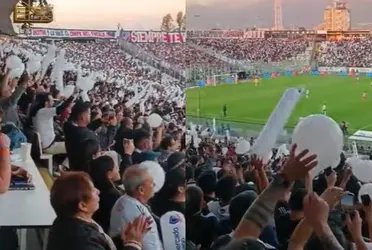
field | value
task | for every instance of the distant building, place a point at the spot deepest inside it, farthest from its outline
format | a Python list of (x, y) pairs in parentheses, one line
[(336, 17)]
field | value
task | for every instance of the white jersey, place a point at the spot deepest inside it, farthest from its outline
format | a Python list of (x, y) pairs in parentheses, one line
[(307, 92), (125, 210), (324, 108)]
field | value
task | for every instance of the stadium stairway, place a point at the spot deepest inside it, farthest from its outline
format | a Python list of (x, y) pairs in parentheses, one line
[(314, 53)]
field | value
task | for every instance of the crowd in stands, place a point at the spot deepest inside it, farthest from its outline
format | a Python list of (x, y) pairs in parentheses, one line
[(267, 50), (227, 189), (98, 139), (182, 56), (106, 193), (346, 53)]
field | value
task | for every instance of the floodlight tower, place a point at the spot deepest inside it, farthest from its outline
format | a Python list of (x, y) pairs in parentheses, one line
[(278, 21)]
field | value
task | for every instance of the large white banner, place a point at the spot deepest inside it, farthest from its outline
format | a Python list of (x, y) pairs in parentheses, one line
[(361, 70), (345, 69), (332, 69), (6, 9)]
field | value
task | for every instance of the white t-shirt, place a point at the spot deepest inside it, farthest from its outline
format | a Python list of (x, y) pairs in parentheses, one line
[(324, 108), (43, 124), (125, 210)]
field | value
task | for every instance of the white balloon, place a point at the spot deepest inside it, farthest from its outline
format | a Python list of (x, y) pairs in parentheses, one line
[(365, 189), (68, 90), (156, 172), (33, 66), (362, 169), (224, 150), (121, 94), (197, 141), (16, 73), (188, 139), (13, 62), (154, 120), (322, 136), (16, 66), (242, 147)]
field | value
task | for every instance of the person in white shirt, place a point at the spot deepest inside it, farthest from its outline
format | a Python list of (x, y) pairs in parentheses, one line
[(139, 188), (307, 94), (42, 115)]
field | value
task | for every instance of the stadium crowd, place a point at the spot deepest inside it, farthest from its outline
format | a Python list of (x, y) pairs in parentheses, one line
[(104, 136), (267, 50), (346, 53), (107, 194), (182, 55)]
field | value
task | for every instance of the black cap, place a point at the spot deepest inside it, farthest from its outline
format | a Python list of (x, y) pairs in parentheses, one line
[(176, 160)]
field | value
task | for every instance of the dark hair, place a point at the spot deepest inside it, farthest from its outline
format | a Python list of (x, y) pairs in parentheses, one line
[(296, 200), (225, 188), (239, 205), (89, 148), (166, 142), (79, 108), (68, 191), (139, 135), (174, 179), (207, 181), (40, 101), (194, 198), (98, 170)]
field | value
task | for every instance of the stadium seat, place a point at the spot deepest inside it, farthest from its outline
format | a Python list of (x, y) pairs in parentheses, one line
[(37, 152)]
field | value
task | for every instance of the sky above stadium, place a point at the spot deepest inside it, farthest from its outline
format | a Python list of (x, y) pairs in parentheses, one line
[(206, 14), (106, 14)]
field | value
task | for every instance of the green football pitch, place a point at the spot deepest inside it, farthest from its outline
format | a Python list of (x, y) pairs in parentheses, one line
[(249, 105)]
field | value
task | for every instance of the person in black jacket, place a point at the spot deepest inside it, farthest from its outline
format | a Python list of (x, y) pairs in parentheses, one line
[(172, 196), (74, 200), (104, 174), (76, 131)]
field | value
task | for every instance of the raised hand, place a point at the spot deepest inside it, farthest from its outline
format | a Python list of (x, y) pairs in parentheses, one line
[(331, 179), (332, 196), (297, 166), (316, 210), (128, 146), (136, 230), (346, 177), (256, 162), (354, 225)]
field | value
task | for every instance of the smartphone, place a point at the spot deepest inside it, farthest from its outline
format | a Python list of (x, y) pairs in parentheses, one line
[(328, 171), (347, 201), (366, 199)]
